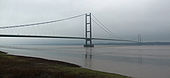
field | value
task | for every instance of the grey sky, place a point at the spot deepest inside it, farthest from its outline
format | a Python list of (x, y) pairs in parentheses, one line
[(125, 18)]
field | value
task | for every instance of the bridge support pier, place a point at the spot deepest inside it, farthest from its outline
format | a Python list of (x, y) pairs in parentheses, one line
[(88, 31)]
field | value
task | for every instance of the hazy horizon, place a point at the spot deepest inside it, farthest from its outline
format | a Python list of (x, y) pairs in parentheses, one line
[(126, 19)]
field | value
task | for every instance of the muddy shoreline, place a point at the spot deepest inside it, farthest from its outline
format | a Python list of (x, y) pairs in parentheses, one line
[(15, 66)]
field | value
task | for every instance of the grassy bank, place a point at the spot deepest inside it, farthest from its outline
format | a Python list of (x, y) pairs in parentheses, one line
[(27, 67)]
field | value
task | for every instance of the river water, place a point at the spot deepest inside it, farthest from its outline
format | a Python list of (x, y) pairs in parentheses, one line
[(134, 61)]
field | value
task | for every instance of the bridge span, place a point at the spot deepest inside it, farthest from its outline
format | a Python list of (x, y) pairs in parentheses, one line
[(63, 37), (88, 30)]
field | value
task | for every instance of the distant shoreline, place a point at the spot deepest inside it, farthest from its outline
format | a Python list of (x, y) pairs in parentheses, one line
[(116, 43)]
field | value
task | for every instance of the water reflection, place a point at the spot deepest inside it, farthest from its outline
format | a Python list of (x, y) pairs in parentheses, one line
[(88, 57), (140, 60)]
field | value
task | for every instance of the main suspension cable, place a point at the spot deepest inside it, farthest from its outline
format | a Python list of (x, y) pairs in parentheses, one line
[(40, 23)]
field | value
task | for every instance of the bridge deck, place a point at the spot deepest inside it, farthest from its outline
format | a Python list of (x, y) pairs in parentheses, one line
[(64, 37)]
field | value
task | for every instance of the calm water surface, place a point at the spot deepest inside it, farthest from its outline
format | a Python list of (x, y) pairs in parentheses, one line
[(135, 61)]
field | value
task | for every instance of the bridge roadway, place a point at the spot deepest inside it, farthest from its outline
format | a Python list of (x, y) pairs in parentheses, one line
[(63, 37)]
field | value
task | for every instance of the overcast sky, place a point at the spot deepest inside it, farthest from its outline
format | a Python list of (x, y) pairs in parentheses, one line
[(125, 18)]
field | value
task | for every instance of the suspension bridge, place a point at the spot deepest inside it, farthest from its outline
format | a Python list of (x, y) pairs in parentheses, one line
[(88, 30)]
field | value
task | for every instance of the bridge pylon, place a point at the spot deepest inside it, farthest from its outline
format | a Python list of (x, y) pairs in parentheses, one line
[(88, 31)]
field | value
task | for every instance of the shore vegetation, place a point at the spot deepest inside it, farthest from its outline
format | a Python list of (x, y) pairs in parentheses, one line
[(12, 66)]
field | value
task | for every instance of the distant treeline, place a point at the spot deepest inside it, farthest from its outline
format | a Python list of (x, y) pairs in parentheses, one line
[(142, 43), (115, 43)]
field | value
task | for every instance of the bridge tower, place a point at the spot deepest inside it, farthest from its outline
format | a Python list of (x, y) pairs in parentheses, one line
[(139, 39), (88, 31)]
